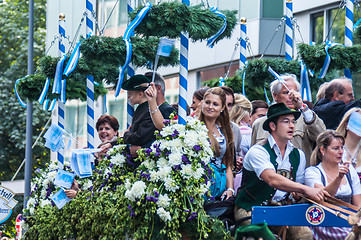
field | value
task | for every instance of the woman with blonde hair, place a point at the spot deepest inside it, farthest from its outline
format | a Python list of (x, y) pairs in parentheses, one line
[(350, 129), (240, 114), (214, 114), (332, 174)]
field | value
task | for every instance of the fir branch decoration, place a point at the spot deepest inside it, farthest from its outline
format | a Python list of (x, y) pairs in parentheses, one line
[(341, 57), (169, 19)]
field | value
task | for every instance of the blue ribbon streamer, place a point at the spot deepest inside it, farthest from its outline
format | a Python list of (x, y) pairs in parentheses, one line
[(45, 104), (52, 105), (244, 79), (128, 33), (22, 103), (305, 83), (211, 40), (327, 62), (73, 61), (44, 92), (58, 75), (276, 75), (221, 81), (62, 94), (265, 94)]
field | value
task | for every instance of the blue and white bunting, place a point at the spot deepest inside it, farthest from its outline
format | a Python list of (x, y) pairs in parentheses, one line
[(22, 103), (128, 33), (44, 92), (58, 75), (305, 83), (211, 40), (73, 60)]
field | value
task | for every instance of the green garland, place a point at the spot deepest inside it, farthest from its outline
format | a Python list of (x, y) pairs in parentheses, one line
[(169, 19), (341, 57)]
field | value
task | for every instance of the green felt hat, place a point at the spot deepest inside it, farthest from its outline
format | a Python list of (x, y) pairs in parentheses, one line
[(137, 82), (255, 231), (276, 110)]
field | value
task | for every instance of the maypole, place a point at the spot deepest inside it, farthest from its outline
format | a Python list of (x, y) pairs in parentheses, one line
[(183, 75), (61, 101), (349, 30), (90, 80), (242, 58), (289, 31), (130, 73)]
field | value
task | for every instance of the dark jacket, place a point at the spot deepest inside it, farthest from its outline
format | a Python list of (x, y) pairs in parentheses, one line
[(142, 130), (166, 110), (332, 112)]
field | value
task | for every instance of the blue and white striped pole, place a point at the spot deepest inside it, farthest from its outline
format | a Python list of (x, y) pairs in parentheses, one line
[(289, 31), (242, 58), (90, 7), (183, 75), (130, 73), (349, 23), (61, 102)]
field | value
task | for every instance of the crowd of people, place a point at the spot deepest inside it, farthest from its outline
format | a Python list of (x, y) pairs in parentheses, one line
[(263, 155)]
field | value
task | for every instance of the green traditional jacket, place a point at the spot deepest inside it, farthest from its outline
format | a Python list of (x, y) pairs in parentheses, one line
[(255, 192)]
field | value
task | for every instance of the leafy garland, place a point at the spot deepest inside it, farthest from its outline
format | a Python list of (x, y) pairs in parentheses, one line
[(169, 19)]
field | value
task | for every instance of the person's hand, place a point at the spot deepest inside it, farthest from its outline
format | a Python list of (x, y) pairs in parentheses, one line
[(151, 92), (71, 193), (239, 164), (133, 150), (316, 193), (343, 169), (296, 196), (226, 194), (296, 98)]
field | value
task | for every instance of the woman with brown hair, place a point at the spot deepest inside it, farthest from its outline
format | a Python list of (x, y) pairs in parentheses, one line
[(214, 114), (338, 178)]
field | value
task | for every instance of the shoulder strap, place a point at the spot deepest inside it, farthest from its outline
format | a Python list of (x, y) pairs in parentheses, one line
[(322, 177), (348, 176), (295, 162)]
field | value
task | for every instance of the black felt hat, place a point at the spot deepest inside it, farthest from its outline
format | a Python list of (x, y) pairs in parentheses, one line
[(276, 110), (137, 82)]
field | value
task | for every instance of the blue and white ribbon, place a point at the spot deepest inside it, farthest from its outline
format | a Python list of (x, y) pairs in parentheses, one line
[(265, 94), (305, 83), (327, 62), (52, 105), (22, 103), (58, 75), (244, 79), (211, 40), (128, 33), (221, 81), (44, 91), (130, 107), (242, 58), (289, 31), (73, 60), (62, 94), (45, 104)]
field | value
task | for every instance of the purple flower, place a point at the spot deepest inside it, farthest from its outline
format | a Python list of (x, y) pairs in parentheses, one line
[(132, 213), (156, 194), (130, 207), (185, 159), (197, 147), (191, 199), (193, 215), (111, 165), (186, 210), (148, 151), (157, 154)]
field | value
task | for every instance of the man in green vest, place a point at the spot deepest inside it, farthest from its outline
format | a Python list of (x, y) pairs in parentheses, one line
[(273, 170)]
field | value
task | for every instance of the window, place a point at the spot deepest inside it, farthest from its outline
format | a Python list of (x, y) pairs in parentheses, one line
[(116, 109), (317, 21), (75, 119)]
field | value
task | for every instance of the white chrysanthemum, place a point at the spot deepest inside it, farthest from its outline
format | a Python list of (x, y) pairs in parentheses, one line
[(164, 172), (32, 211), (118, 159), (53, 166), (127, 184), (87, 184), (120, 147), (31, 202), (46, 182), (164, 215), (162, 162), (170, 184), (187, 171), (198, 173), (45, 203), (163, 201), (43, 193), (166, 131), (136, 192), (175, 158), (52, 175), (149, 164), (107, 171), (176, 143)]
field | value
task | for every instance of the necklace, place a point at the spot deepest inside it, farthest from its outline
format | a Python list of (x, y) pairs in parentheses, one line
[(330, 177), (353, 158)]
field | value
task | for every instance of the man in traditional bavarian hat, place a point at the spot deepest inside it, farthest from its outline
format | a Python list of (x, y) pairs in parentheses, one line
[(273, 169), (141, 132)]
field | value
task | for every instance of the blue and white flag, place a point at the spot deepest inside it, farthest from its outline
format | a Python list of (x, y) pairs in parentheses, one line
[(276, 75), (54, 138), (211, 40), (73, 60), (305, 83), (128, 33), (221, 81), (327, 62), (165, 47)]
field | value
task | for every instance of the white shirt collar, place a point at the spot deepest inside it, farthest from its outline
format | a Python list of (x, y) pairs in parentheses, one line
[(272, 143)]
